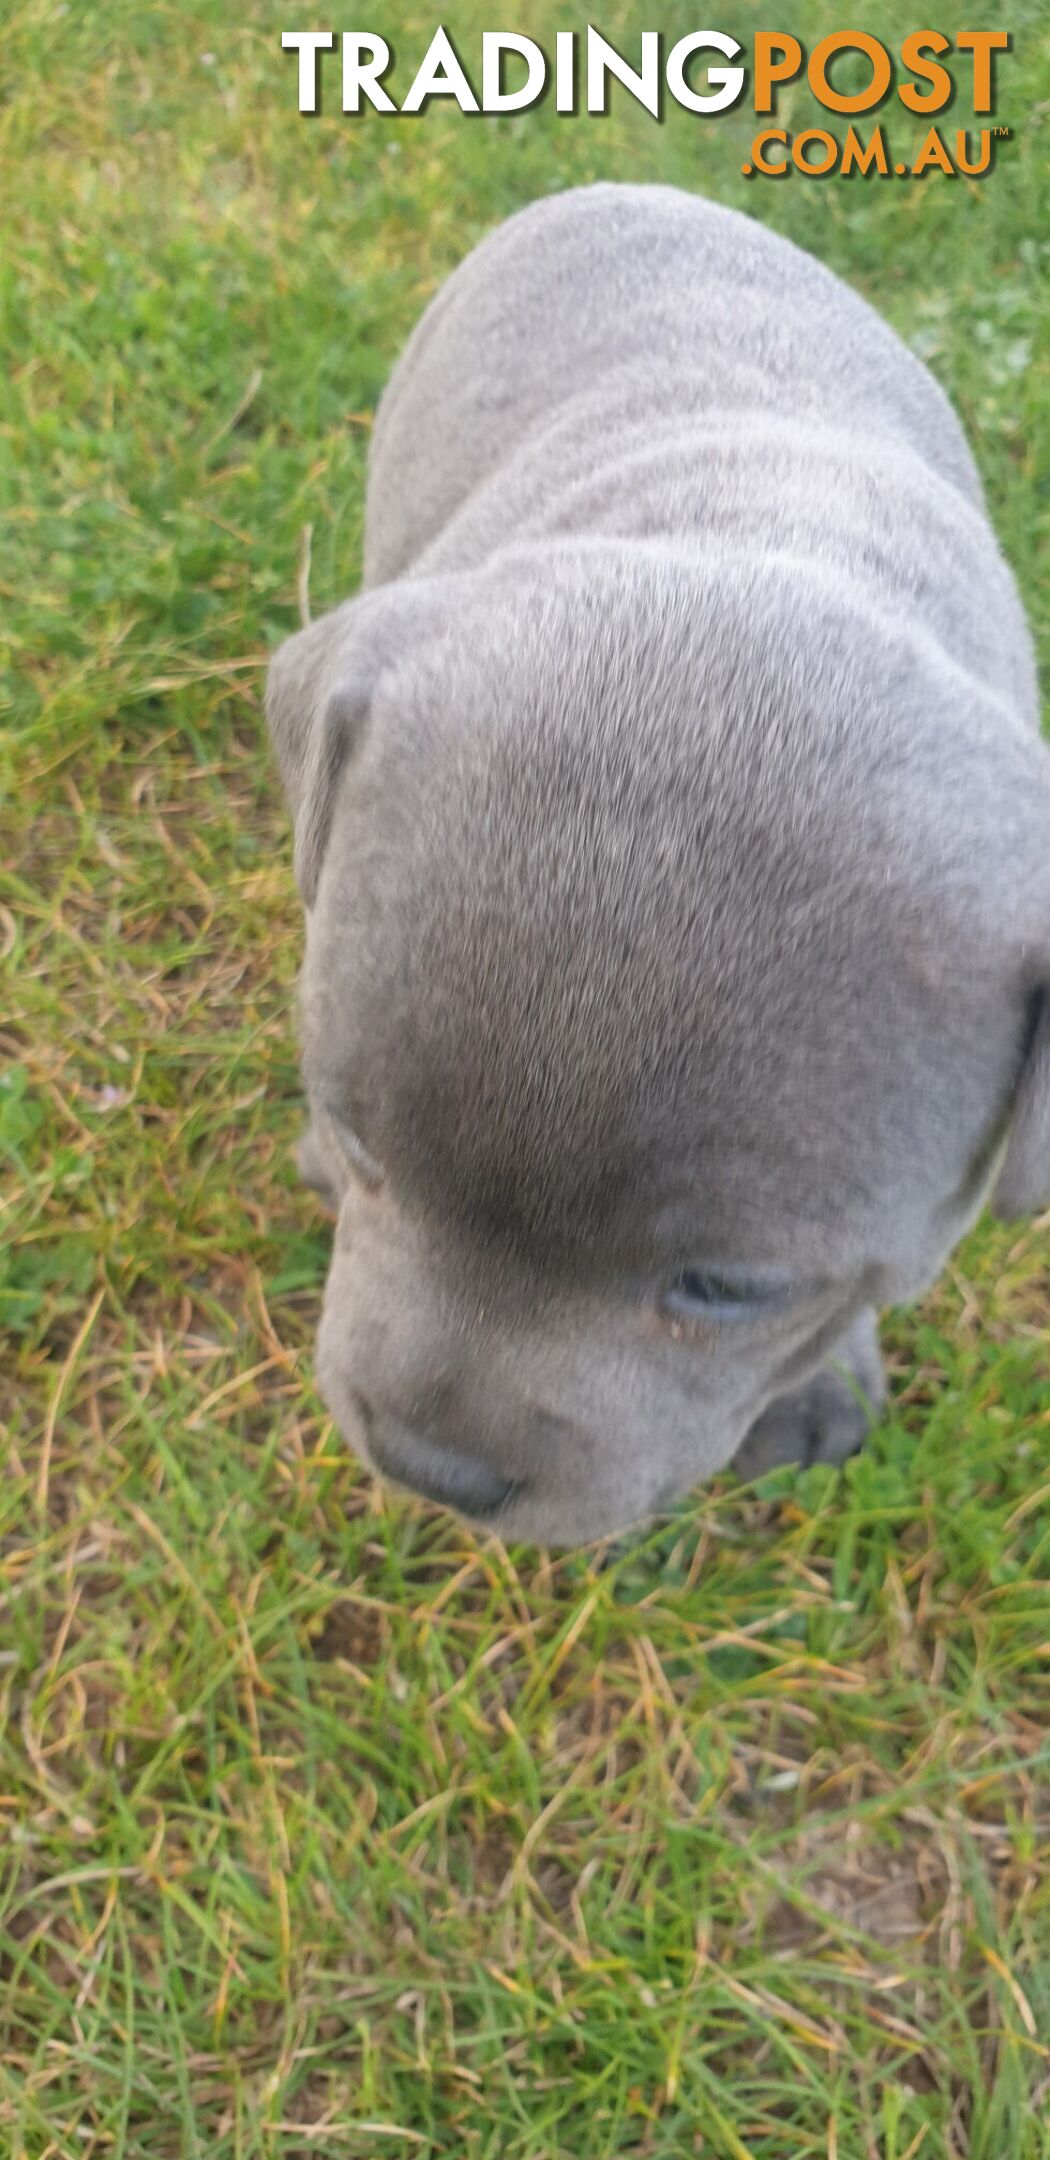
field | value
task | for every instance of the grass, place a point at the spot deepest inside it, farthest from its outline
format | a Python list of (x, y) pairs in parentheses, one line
[(329, 1829)]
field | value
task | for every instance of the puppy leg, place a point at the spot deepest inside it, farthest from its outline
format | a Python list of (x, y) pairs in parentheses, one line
[(827, 1418)]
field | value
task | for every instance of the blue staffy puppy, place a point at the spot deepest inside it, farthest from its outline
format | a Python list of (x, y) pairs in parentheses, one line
[(674, 835)]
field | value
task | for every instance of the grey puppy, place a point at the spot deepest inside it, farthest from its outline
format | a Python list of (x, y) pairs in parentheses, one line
[(672, 824)]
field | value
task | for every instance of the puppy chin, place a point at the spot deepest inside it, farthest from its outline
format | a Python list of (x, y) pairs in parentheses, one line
[(566, 1525), (339, 1400)]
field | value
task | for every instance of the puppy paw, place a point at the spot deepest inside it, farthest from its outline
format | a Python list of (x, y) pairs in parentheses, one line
[(829, 1417)]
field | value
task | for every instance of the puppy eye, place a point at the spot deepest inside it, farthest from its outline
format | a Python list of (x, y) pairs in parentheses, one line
[(721, 1295)]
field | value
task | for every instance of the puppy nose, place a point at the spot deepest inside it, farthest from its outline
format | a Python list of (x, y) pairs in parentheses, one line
[(432, 1467)]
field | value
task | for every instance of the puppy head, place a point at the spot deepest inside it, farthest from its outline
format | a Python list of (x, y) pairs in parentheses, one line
[(673, 990)]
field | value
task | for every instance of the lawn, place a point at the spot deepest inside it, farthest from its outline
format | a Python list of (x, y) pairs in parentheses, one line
[(330, 1829)]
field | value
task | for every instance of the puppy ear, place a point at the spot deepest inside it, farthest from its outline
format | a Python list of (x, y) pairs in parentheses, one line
[(319, 693), (1023, 1184), (337, 732)]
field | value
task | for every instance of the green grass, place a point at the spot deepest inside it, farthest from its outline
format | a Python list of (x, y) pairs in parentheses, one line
[(327, 1828)]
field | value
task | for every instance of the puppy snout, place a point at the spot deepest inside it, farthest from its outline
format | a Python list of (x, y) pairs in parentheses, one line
[(432, 1465)]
